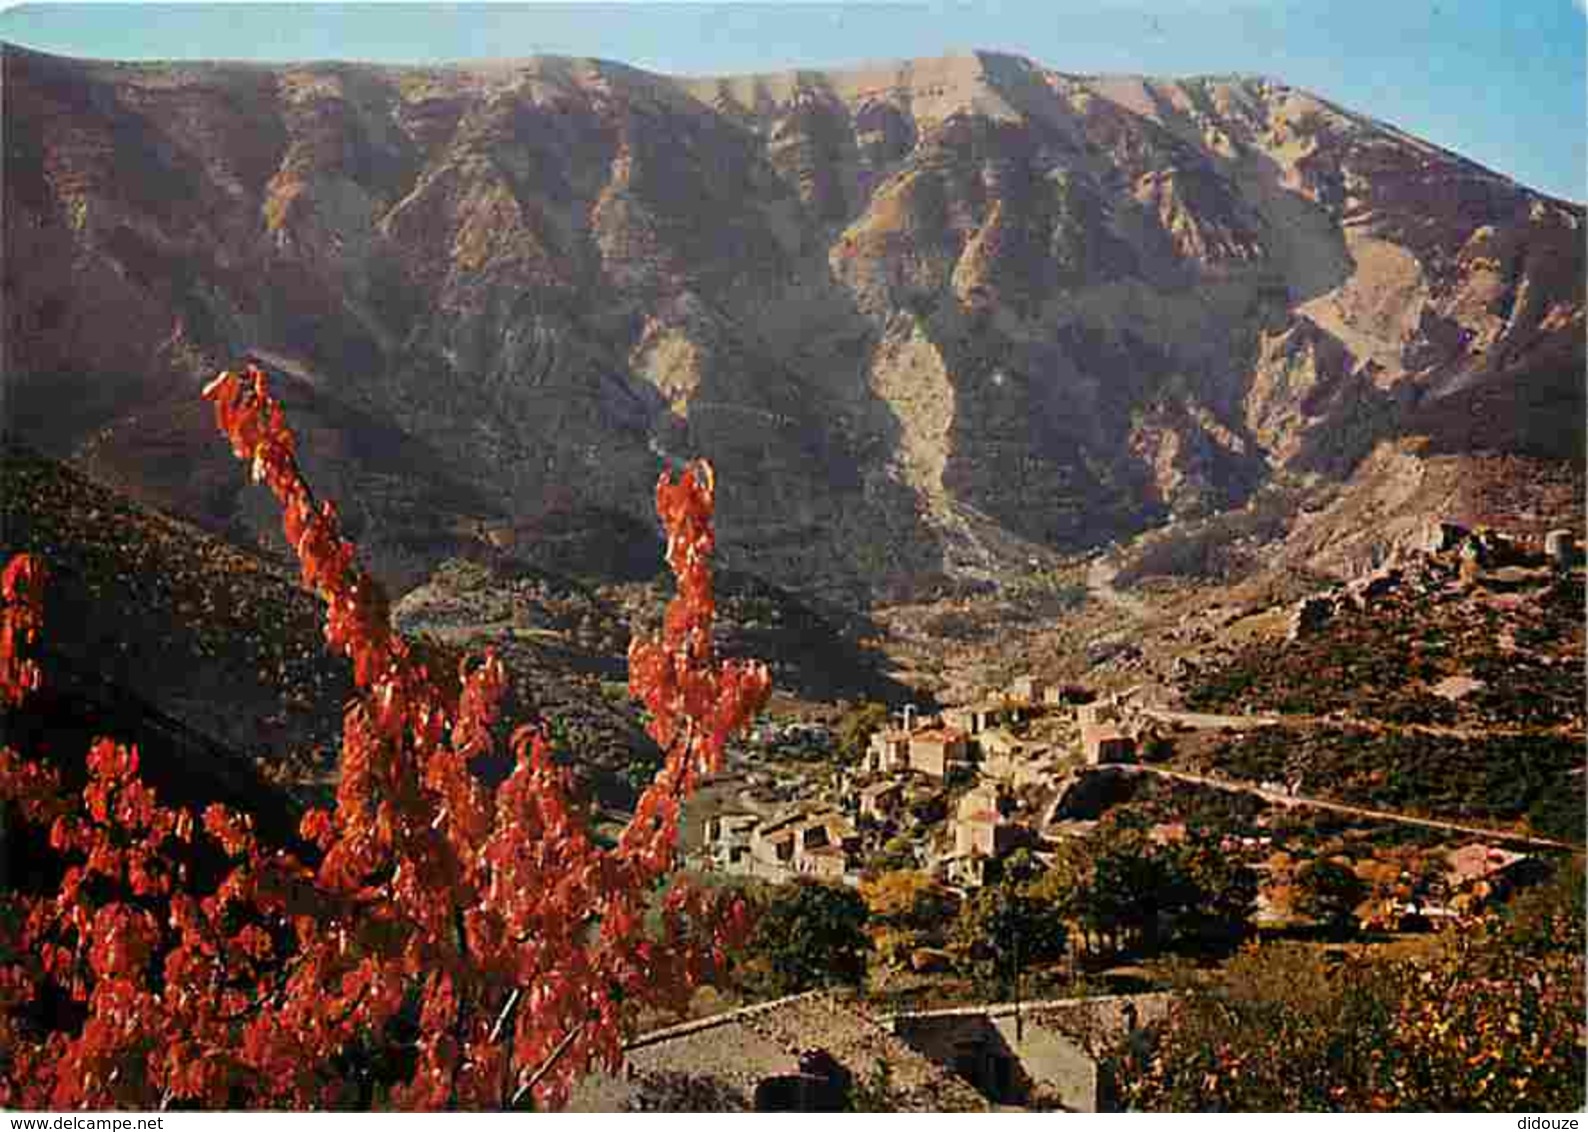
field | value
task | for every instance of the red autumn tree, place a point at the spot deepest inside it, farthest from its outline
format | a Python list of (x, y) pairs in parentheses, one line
[(435, 943)]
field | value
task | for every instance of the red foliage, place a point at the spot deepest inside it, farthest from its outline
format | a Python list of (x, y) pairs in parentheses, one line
[(22, 587), (443, 945)]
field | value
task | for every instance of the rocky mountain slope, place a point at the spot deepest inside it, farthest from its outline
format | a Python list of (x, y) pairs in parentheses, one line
[(933, 320)]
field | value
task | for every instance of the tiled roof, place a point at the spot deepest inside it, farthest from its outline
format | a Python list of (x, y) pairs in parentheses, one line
[(940, 735), (788, 820), (1473, 862)]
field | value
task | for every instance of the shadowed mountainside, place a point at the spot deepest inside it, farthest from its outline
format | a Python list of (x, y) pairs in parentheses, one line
[(212, 658)]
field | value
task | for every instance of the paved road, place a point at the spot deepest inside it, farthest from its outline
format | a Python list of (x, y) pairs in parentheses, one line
[(1280, 798)]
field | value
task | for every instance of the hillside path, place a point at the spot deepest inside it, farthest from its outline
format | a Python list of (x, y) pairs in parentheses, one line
[(1100, 585), (1213, 721), (1280, 798)]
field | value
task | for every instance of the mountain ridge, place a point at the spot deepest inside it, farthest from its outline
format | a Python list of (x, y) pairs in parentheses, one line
[(935, 320)]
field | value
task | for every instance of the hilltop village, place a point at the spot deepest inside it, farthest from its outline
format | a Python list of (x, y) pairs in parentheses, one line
[(957, 792), (1307, 793), (981, 779)]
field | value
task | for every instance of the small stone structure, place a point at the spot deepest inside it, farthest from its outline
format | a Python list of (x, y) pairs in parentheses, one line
[(1371, 587), (998, 741), (1045, 1051), (741, 1051), (1060, 695)]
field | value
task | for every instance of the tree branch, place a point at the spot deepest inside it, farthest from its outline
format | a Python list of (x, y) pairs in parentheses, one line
[(546, 1066)]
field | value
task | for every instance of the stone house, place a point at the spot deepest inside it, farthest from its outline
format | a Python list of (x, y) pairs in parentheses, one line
[(1105, 743), (826, 846), (1560, 547), (965, 870), (765, 1058), (773, 845), (1028, 689), (821, 844), (889, 751), (1444, 536), (825, 862), (937, 752), (961, 718), (1098, 712), (983, 833), (1059, 695), (1014, 761), (881, 799), (980, 825), (974, 719), (728, 838)]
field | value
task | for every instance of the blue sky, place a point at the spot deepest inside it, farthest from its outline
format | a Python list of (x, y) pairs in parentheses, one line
[(1501, 81)]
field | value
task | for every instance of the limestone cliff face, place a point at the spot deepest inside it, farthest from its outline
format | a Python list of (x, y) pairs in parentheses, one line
[(930, 319)]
